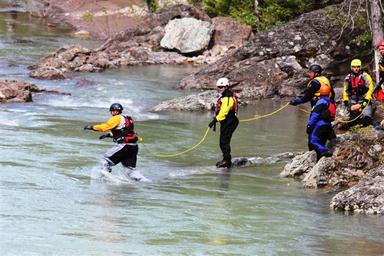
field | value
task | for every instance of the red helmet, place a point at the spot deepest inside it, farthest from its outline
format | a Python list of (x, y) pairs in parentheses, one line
[(380, 43)]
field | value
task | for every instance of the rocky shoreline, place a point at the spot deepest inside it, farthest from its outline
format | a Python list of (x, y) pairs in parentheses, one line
[(265, 65)]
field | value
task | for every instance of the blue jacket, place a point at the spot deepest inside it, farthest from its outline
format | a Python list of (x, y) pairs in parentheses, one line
[(318, 109)]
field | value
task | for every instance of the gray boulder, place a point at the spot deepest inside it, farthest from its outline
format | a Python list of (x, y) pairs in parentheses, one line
[(365, 197), (187, 35)]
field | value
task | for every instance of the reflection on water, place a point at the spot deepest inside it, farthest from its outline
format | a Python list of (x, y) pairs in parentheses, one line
[(51, 203)]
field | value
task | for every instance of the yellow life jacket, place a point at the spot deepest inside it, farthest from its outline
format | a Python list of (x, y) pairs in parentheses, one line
[(323, 82)]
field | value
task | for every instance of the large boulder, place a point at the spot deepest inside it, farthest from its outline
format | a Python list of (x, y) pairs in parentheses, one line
[(187, 35)]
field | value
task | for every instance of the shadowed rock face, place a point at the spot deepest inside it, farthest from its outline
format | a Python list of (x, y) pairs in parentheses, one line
[(279, 58)]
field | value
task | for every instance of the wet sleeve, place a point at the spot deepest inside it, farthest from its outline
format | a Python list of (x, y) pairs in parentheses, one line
[(371, 88), (226, 106), (310, 91), (109, 125)]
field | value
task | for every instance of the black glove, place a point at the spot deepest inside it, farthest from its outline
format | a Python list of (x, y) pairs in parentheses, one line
[(212, 123), (294, 101), (309, 129), (88, 127), (105, 136)]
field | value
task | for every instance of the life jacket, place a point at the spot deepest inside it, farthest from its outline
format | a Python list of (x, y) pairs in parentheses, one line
[(356, 84), (323, 82), (329, 114), (379, 93), (124, 133), (234, 110)]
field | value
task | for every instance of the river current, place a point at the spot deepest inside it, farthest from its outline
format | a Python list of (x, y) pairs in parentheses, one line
[(53, 200)]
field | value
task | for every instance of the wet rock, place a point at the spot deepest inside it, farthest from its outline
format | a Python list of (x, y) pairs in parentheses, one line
[(201, 101), (17, 91), (82, 34), (365, 197), (48, 73), (187, 35), (301, 164), (207, 100), (252, 161)]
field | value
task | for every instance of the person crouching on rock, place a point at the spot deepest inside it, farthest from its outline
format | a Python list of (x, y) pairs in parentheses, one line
[(357, 95), (121, 128), (319, 127), (226, 111)]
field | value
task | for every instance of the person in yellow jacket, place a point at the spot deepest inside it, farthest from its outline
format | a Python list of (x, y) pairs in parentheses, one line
[(121, 128), (357, 95), (226, 111)]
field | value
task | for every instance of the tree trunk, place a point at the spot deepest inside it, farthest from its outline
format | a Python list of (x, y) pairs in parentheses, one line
[(376, 20)]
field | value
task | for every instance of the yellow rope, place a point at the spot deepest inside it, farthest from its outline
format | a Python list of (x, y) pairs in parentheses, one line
[(349, 121), (185, 151), (206, 133), (262, 116), (305, 111)]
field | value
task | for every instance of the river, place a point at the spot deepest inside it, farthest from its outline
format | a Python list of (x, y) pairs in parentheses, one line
[(53, 200)]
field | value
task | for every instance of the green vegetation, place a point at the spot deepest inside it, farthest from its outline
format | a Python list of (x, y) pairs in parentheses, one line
[(152, 5), (87, 16), (268, 14)]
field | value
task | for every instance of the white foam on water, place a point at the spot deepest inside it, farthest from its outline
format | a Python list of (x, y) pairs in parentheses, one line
[(194, 171), (9, 123)]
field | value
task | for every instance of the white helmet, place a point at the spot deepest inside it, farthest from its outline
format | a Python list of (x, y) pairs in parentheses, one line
[(222, 82)]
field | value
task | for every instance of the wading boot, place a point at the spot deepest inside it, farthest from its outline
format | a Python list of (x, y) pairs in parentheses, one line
[(224, 164)]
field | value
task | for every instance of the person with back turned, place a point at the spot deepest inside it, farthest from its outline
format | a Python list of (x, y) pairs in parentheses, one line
[(312, 93), (226, 111), (121, 128), (319, 127)]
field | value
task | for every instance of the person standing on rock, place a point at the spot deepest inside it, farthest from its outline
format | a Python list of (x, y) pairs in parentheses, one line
[(311, 93), (226, 115), (357, 95), (121, 128), (319, 126)]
